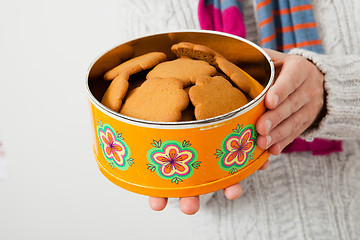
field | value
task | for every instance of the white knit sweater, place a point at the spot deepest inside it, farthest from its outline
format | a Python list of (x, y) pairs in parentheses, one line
[(300, 196)]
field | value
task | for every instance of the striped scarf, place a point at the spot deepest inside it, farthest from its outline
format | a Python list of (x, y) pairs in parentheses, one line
[(283, 25)]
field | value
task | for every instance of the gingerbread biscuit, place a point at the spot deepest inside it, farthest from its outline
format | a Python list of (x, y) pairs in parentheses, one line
[(120, 75), (115, 93), (157, 99), (195, 51), (243, 80), (214, 96), (184, 69), (136, 64)]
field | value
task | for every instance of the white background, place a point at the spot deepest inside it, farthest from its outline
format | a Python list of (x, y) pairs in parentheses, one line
[(54, 189)]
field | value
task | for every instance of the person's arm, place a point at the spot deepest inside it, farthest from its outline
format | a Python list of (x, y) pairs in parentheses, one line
[(314, 96), (342, 96)]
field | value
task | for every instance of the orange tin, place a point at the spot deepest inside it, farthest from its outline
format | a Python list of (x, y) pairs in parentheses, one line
[(179, 159)]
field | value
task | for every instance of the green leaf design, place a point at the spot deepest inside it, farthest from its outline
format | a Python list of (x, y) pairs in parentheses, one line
[(100, 123), (238, 129), (232, 171), (151, 167), (218, 153), (130, 161), (112, 165), (157, 144), (186, 143), (196, 164), (118, 135), (176, 180)]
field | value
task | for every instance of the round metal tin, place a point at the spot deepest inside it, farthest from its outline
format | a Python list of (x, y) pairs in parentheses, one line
[(179, 159)]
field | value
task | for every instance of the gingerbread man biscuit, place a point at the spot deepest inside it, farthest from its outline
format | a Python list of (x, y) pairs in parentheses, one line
[(243, 80), (120, 75), (214, 96), (157, 99), (184, 69)]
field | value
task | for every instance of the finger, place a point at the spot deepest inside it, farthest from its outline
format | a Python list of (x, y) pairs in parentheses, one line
[(265, 165), (275, 149), (288, 130), (292, 104), (263, 141), (233, 192), (157, 204), (289, 79), (190, 205)]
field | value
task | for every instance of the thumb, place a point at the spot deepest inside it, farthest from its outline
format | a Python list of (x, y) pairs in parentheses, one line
[(277, 57)]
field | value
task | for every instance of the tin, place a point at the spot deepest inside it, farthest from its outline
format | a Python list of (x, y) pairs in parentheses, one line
[(179, 159)]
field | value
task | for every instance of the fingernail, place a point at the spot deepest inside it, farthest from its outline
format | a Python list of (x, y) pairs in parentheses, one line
[(267, 125), (268, 140), (276, 100)]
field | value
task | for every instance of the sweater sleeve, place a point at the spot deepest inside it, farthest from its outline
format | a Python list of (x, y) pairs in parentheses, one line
[(342, 103)]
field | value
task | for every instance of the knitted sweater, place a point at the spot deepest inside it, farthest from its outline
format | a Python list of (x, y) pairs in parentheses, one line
[(299, 196)]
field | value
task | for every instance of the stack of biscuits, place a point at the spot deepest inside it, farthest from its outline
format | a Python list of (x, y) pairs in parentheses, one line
[(199, 84)]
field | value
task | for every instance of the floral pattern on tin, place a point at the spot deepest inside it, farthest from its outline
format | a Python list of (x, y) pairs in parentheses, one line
[(115, 150), (237, 149), (172, 160)]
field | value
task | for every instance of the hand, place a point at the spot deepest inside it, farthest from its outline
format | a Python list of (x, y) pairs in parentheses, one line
[(294, 101), (190, 205)]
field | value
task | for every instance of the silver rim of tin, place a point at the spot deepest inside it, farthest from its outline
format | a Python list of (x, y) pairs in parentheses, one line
[(185, 124)]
